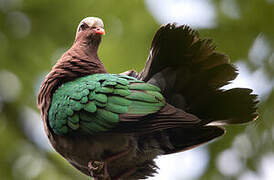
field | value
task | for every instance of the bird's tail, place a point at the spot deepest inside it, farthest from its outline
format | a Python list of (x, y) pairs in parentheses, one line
[(190, 74)]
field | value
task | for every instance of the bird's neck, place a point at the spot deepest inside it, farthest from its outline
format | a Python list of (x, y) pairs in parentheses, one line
[(80, 60), (86, 48), (87, 44)]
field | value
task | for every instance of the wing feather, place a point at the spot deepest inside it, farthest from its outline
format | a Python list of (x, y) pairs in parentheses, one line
[(102, 102)]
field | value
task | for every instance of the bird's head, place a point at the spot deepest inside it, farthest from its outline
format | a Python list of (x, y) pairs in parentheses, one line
[(90, 30)]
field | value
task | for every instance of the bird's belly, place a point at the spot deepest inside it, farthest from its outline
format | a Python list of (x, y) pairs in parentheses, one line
[(79, 150)]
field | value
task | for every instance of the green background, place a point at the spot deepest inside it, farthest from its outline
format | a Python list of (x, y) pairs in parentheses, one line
[(34, 33)]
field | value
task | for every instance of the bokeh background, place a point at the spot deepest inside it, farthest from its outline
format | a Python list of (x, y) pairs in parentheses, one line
[(34, 33)]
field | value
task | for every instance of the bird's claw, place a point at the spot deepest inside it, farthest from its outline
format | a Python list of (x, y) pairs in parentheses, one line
[(98, 170)]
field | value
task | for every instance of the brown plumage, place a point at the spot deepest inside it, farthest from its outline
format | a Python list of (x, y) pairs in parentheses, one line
[(189, 73)]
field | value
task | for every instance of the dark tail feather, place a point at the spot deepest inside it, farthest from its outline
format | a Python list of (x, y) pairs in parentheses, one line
[(232, 106), (190, 74), (183, 139)]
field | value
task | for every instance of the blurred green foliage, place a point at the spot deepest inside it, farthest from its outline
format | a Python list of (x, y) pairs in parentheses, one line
[(34, 33)]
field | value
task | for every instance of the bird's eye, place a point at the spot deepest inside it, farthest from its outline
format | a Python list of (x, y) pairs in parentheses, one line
[(83, 26)]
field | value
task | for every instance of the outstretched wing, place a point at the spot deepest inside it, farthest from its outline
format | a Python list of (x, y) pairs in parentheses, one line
[(104, 102)]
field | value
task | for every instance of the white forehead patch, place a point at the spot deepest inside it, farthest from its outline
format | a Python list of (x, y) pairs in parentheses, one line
[(91, 22)]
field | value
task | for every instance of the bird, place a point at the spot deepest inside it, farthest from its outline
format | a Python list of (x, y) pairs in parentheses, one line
[(113, 126)]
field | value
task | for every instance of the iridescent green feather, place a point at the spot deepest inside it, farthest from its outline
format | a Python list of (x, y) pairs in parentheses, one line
[(93, 103)]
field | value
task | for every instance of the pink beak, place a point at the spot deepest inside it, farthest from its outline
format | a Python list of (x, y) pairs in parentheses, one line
[(100, 31)]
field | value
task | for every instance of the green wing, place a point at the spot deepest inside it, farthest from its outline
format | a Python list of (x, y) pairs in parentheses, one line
[(94, 103)]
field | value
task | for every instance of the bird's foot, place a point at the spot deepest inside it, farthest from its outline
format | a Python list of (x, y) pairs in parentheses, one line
[(98, 170)]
